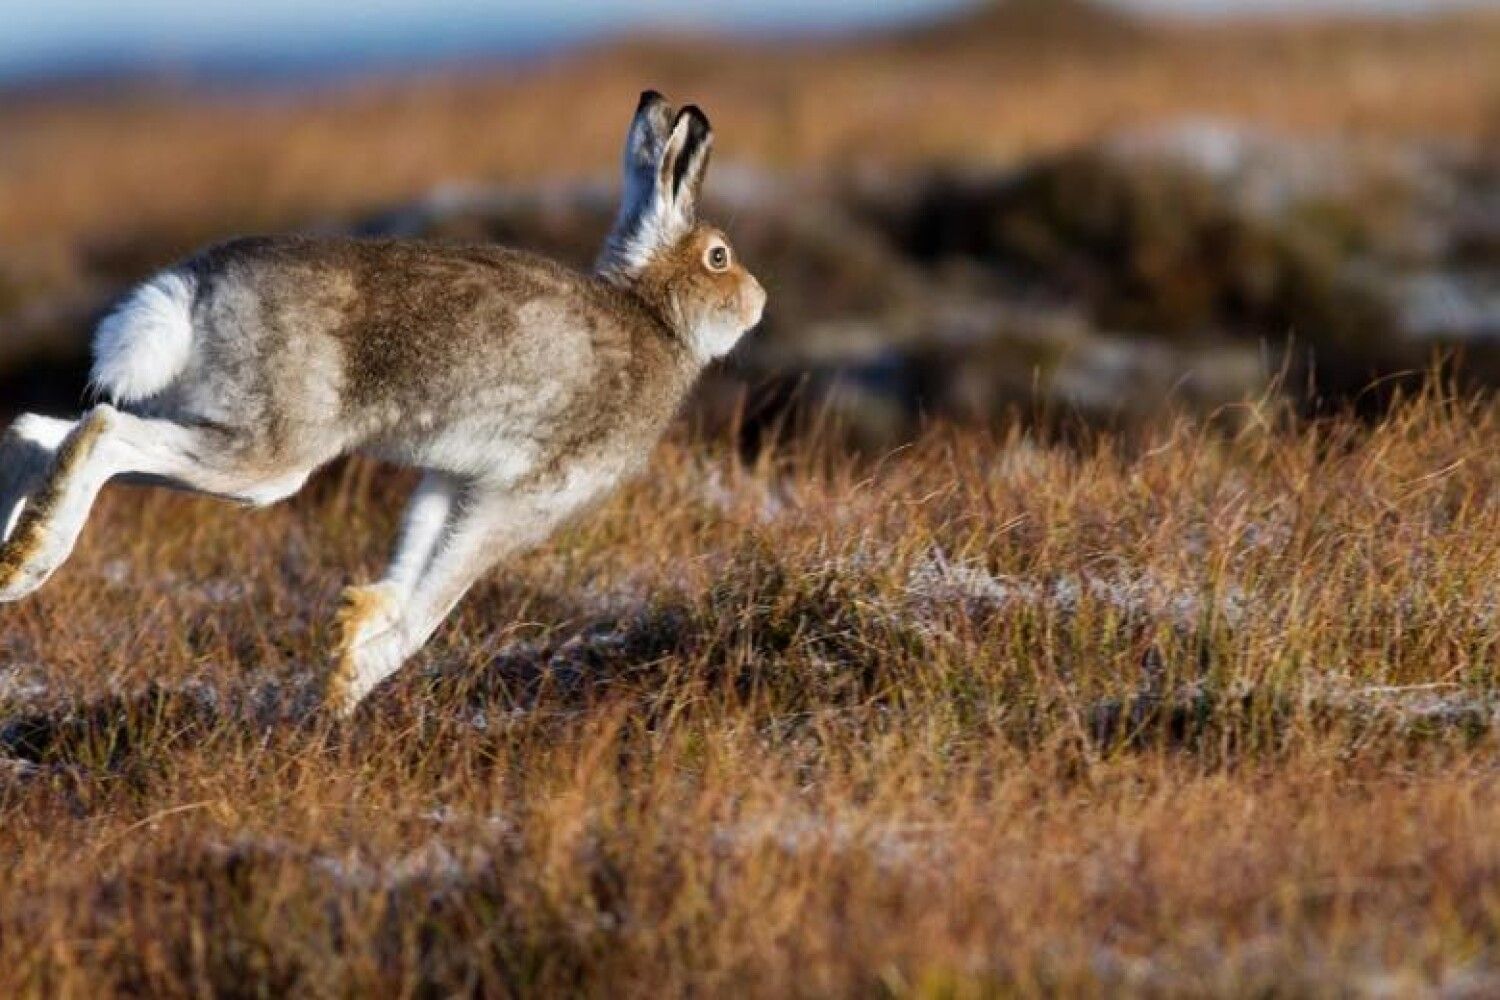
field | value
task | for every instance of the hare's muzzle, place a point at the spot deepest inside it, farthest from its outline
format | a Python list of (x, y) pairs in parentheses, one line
[(753, 298)]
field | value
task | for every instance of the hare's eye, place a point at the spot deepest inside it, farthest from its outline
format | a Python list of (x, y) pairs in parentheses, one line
[(718, 257)]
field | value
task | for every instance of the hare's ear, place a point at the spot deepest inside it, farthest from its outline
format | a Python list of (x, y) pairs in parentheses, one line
[(665, 159), (643, 148), (684, 161), (640, 199)]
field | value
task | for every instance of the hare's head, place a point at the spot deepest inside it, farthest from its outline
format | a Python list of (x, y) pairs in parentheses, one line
[(685, 269)]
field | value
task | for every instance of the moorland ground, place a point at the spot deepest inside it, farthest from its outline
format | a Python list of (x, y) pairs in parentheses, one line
[(1208, 709)]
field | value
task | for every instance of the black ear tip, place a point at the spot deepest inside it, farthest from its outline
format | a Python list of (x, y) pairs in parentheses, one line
[(648, 98), (698, 124)]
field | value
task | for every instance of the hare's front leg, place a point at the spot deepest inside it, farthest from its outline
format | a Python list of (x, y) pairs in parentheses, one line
[(435, 564), (370, 614)]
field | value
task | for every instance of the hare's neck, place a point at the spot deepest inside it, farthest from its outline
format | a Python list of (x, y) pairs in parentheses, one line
[(657, 307), (703, 341)]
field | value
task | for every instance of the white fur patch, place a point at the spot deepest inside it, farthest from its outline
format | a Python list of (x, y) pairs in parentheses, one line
[(714, 339), (421, 528), (146, 342), (45, 432)]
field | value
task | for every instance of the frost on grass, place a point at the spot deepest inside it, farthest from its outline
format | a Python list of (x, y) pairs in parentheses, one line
[(937, 582)]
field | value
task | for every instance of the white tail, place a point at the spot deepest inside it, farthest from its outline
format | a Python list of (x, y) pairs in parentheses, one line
[(146, 342)]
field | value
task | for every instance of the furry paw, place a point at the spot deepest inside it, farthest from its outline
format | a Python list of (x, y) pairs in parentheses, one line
[(22, 570), (368, 626)]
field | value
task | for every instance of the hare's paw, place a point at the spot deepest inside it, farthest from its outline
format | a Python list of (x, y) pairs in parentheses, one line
[(25, 563), (368, 629)]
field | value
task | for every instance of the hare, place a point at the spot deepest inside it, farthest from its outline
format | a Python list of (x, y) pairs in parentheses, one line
[(524, 390)]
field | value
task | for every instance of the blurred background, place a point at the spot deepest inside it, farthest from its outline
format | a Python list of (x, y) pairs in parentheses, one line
[(1045, 210)]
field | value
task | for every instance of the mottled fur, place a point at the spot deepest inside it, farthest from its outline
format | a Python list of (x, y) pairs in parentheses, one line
[(527, 390), (312, 348)]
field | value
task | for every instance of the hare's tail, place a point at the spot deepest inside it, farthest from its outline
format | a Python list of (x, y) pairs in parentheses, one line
[(143, 345)]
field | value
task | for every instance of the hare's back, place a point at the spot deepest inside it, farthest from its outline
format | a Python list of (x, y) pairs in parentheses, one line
[(393, 330)]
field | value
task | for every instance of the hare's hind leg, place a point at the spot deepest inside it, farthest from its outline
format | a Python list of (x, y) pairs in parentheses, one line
[(26, 453), (54, 510), (386, 623), (107, 443)]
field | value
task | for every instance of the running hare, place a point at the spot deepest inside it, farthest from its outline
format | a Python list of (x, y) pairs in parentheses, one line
[(523, 389)]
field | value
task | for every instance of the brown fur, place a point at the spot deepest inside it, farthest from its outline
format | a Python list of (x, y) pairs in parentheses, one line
[(423, 330), (676, 282)]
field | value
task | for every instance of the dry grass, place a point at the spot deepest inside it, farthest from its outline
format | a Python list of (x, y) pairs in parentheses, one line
[(159, 172), (1198, 712), (1201, 710)]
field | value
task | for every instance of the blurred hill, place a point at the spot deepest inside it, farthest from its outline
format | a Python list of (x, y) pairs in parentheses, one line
[(1017, 27), (100, 185)]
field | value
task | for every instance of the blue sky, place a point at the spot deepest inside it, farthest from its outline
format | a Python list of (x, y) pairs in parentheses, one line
[(84, 34), (47, 36)]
